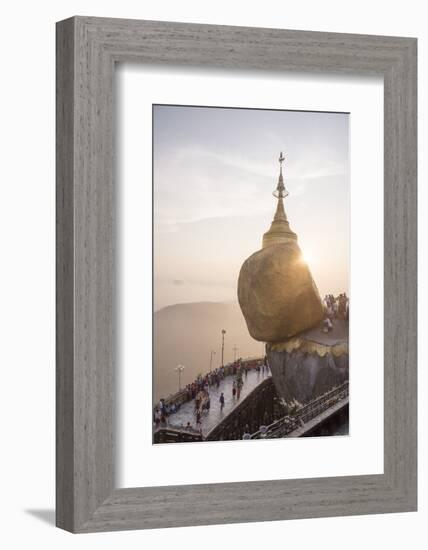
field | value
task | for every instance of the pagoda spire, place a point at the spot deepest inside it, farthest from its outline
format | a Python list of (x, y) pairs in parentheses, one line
[(279, 231), (280, 191)]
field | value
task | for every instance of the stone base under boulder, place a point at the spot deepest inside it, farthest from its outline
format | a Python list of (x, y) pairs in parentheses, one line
[(311, 363)]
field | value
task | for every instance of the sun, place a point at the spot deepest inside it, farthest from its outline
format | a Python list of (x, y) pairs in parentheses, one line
[(307, 257)]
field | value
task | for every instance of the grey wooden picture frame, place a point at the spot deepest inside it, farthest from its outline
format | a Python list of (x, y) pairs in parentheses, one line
[(87, 51)]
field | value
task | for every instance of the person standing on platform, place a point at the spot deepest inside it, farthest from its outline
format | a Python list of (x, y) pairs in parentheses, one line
[(221, 401)]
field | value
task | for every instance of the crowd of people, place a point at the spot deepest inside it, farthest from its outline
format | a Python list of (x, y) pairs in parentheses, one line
[(335, 308), (199, 391), (163, 411)]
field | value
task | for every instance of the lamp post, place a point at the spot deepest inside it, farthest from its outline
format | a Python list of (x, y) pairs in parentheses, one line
[(235, 349), (223, 332), (211, 360), (179, 369)]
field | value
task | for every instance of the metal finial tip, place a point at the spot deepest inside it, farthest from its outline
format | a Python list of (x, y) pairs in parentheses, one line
[(281, 158)]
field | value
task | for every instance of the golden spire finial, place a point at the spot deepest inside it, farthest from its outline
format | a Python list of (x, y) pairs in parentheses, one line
[(279, 231), (280, 191)]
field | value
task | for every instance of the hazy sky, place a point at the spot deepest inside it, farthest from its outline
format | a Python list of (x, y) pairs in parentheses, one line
[(214, 173)]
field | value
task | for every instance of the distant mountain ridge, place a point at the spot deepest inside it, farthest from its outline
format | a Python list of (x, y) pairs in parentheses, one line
[(186, 333)]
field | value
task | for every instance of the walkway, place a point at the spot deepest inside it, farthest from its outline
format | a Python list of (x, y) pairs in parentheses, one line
[(340, 333), (215, 415)]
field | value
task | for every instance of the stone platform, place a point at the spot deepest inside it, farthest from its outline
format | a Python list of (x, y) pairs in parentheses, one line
[(311, 363)]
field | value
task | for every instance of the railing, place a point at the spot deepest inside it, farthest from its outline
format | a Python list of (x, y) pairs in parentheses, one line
[(176, 435), (289, 423)]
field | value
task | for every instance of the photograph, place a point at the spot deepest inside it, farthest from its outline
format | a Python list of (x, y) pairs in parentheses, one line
[(251, 252)]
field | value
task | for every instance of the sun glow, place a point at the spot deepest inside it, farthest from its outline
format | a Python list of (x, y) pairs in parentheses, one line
[(308, 258)]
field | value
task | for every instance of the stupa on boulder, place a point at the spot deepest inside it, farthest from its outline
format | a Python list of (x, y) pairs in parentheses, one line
[(282, 307), (276, 292)]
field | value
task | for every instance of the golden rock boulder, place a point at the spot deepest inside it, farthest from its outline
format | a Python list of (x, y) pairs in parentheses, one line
[(277, 294)]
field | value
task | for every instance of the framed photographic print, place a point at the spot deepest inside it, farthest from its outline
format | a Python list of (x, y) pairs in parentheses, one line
[(236, 274)]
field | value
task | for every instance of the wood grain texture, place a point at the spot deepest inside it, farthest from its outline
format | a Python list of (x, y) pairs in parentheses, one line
[(87, 49), (64, 276)]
